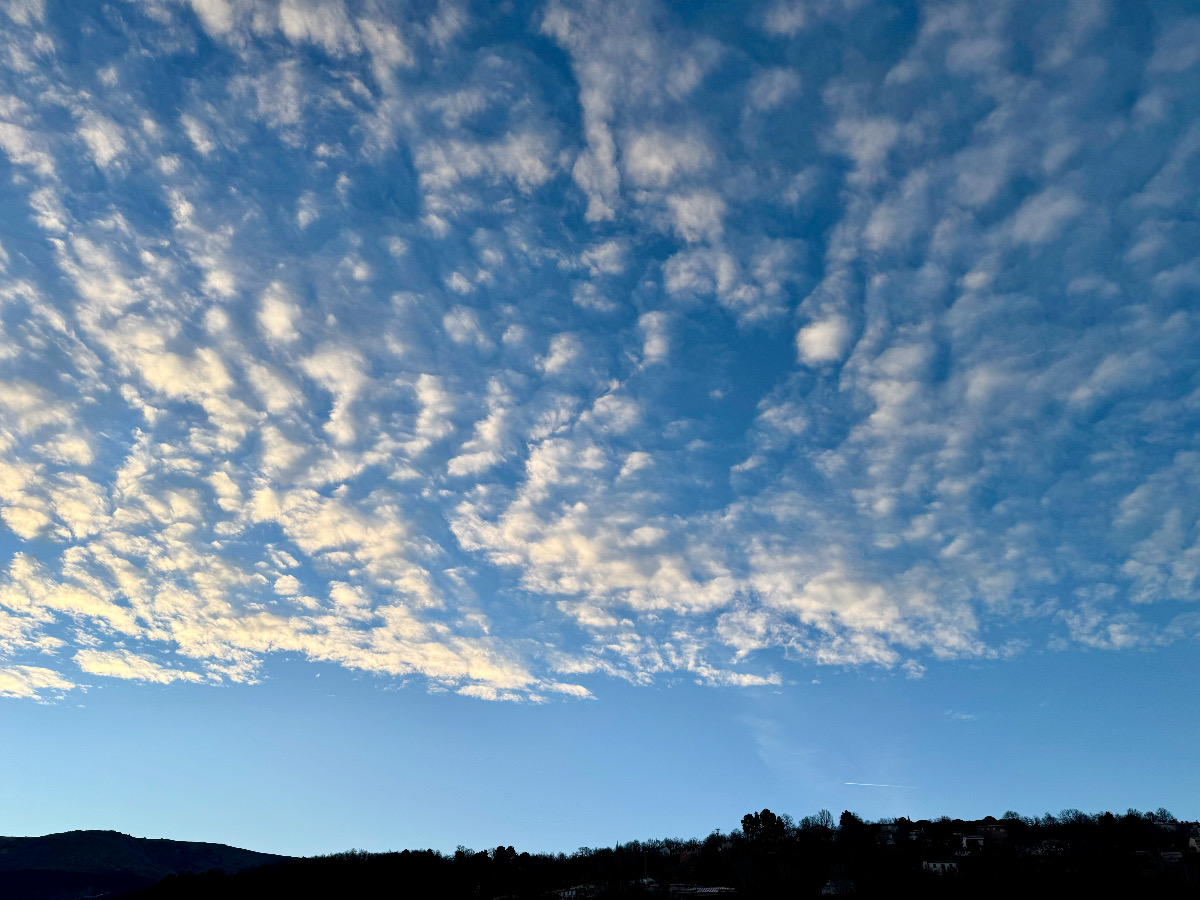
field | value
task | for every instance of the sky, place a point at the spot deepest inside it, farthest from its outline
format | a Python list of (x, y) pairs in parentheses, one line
[(562, 423)]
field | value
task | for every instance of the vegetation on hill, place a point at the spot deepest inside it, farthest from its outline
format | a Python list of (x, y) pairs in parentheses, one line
[(77, 864), (769, 856)]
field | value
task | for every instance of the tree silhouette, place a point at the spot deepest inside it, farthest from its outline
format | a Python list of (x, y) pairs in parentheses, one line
[(764, 827), (1074, 854)]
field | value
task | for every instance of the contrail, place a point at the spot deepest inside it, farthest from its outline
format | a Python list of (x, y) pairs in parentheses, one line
[(872, 784)]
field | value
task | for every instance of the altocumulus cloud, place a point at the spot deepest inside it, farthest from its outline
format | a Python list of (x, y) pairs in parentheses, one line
[(511, 347)]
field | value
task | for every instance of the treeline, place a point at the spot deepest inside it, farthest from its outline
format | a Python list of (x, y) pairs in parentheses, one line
[(769, 856)]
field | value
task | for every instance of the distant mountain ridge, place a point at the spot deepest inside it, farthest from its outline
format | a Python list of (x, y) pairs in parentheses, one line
[(81, 864)]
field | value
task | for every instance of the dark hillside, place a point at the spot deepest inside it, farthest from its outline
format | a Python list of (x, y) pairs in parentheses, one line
[(1074, 854), (77, 864)]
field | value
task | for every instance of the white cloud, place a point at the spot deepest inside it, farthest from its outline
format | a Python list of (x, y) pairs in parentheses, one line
[(79, 503), (67, 449), (1042, 217), (244, 430), (564, 352), (1177, 48), (705, 271), (48, 211), (130, 666), (463, 326), (613, 413), (526, 159), (25, 12), (492, 436), (434, 421), (103, 139), (339, 370), (30, 681), (30, 408), (606, 258), (288, 585), (215, 15), (278, 314), (278, 94), (824, 341), (387, 46), (621, 61), (656, 159), (25, 521), (635, 462), (786, 18), (276, 392), (697, 216), (197, 134), (868, 142), (307, 210), (586, 295), (324, 23), (24, 148), (773, 88), (656, 346)]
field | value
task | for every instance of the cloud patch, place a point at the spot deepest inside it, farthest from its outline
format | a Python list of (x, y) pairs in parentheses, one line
[(680, 352)]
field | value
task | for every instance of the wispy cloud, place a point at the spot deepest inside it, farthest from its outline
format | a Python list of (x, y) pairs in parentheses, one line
[(955, 715)]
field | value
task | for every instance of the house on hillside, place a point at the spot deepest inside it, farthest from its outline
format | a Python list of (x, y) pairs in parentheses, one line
[(1192, 830), (696, 890), (940, 866), (838, 887), (1046, 848), (578, 892), (645, 885)]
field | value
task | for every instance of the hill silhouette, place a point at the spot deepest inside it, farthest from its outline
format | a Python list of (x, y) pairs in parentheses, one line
[(770, 856), (81, 864)]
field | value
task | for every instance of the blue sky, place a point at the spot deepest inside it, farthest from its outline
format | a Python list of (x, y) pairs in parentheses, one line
[(560, 423)]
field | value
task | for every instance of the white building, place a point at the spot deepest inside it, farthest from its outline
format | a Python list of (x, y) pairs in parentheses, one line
[(940, 866)]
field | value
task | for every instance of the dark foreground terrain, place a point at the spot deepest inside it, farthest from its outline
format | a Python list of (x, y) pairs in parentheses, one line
[(1073, 854), (77, 864)]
